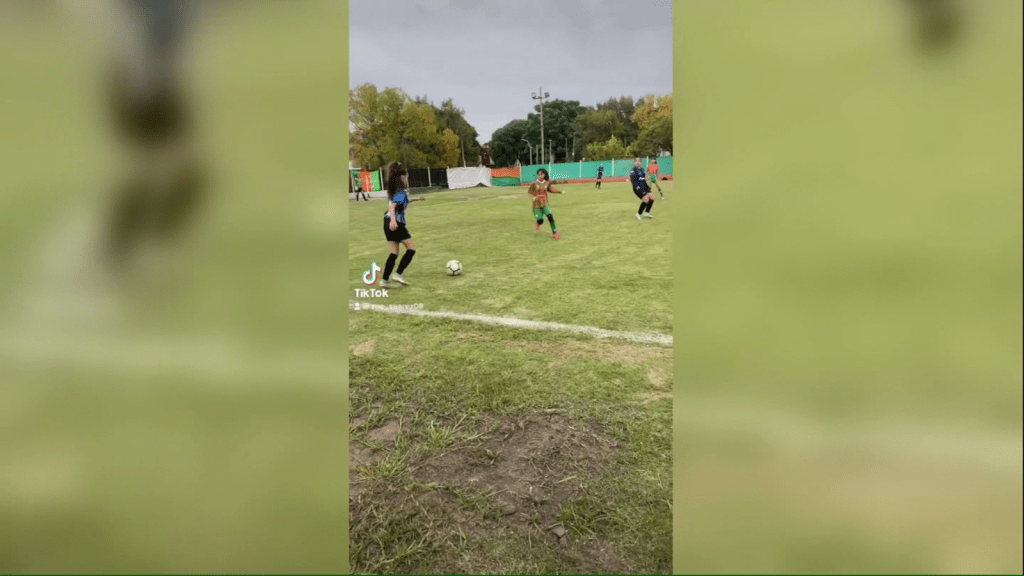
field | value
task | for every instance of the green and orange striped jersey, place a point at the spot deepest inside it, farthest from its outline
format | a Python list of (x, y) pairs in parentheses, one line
[(539, 190)]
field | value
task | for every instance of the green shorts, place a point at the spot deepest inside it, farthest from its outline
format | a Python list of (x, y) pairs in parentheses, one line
[(540, 213), (654, 177)]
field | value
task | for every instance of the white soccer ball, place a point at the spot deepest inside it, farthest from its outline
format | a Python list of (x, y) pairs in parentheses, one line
[(453, 268)]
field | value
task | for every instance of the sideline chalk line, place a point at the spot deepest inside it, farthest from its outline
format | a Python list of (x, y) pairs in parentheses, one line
[(638, 337)]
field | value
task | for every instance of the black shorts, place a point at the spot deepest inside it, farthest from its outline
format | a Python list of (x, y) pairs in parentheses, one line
[(398, 234), (641, 193)]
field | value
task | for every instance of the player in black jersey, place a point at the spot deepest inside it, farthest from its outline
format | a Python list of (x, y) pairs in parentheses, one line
[(395, 231), (152, 113), (642, 190)]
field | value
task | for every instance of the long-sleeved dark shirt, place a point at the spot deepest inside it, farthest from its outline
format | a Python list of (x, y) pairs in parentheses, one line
[(636, 176)]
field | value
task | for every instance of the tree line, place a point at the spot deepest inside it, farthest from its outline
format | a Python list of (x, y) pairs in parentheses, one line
[(616, 128), (388, 124)]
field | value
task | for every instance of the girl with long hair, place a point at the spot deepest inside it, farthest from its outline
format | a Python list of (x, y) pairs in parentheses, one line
[(395, 231)]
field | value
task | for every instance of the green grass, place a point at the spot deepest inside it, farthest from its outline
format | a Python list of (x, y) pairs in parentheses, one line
[(859, 223), (484, 414), (607, 270), (124, 455), (853, 258)]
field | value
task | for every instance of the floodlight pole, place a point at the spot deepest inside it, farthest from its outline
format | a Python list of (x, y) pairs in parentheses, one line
[(541, 95), (530, 146)]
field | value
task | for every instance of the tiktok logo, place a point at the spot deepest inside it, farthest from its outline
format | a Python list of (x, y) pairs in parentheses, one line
[(370, 276)]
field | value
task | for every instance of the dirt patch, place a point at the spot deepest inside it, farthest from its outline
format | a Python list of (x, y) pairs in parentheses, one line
[(360, 417), (358, 456), (530, 459), (386, 433), (364, 348), (516, 197), (514, 481), (659, 379), (361, 456), (597, 557), (519, 478)]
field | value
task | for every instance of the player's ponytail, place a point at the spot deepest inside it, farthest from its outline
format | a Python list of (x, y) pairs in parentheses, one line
[(393, 173)]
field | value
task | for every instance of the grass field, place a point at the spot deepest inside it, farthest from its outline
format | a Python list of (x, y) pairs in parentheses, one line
[(474, 448), (199, 431), (849, 394)]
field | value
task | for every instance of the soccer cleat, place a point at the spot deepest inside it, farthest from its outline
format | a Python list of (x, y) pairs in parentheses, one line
[(646, 215), (537, 227), (385, 284), (398, 278), (555, 236), (639, 217)]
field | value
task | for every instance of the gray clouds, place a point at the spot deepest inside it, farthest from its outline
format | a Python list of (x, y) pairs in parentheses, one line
[(490, 56)]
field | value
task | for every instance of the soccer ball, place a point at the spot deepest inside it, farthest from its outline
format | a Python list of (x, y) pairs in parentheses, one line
[(453, 268)]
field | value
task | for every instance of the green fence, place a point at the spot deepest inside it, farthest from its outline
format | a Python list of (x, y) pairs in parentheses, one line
[(504, 180), (561, 171), (573, 170)]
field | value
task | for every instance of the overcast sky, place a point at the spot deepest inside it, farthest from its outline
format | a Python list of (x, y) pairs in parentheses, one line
[(490, 55)]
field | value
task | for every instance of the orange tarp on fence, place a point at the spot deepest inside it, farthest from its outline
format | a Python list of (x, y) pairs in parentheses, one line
[(505, 172)]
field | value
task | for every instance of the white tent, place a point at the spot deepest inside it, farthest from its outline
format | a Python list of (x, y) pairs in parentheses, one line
[(468, 177)]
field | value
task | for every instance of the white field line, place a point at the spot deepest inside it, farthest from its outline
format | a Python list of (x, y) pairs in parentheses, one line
[(969, 446), (638, 337), (218, 361), (234, 366)]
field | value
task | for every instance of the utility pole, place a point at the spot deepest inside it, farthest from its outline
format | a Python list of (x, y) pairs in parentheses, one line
[(541, 95), (530, 146)]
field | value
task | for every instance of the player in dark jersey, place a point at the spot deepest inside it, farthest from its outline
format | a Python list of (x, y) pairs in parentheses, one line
[(152, 113), (600, 173), (394, 223), (642, 190), (938, 23)]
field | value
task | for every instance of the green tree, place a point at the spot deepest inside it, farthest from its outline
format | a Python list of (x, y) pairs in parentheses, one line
[(623, 108), (507, 145), (388, 125), (651, 107), (611, 148), (596, 127), (559, 124), (655, 137), (453, 118), (653, 115), (373, 117)]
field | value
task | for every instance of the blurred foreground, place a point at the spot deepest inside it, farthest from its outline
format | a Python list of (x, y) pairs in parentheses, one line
[(183, 416), (849, 369)]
